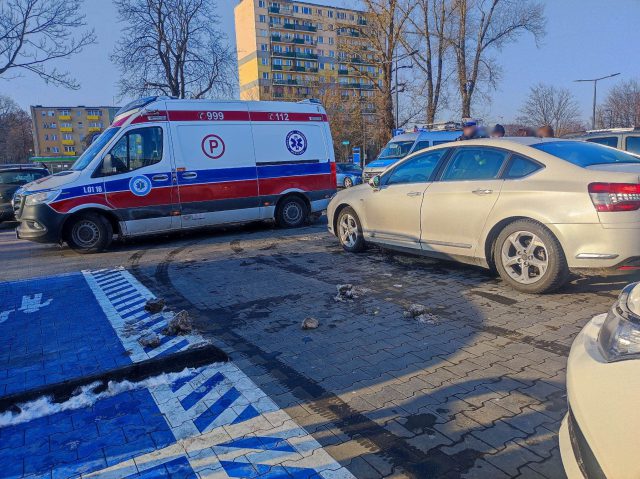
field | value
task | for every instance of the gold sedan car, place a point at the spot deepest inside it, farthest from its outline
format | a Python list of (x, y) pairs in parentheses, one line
[(533, 209)]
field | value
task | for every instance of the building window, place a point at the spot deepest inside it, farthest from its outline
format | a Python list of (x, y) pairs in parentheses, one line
[(51, 113), (319, 12), (263, 47), (65, 112), (263, 33), (261, 4), (262, 18), (306, 10), (295, 9), (265, 61), (67, 136), (55, 149), (331, 40), (320, 39), (70, 149), (330, 13), (54, 137), (265, 76)]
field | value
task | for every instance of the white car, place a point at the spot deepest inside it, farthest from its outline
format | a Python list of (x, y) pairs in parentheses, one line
[(599, 436)]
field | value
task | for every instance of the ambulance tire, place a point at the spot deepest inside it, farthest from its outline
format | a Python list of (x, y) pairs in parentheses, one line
[(291, 212), (89, 233)]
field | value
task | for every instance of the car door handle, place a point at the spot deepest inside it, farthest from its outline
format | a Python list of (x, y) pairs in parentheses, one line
[(190, 176), (414, 193), (160, 177), (482, 192)]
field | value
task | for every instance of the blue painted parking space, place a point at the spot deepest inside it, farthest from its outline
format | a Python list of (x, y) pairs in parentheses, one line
[(51, 330), (208, 422)]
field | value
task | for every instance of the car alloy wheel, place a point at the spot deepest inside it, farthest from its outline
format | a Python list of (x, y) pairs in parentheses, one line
[(348, 231), (524, 257)]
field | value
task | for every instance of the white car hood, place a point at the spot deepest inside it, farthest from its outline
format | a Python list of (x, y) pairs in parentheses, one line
[(53, 182)]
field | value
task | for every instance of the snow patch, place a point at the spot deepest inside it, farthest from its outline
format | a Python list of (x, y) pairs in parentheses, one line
[(85, 397)]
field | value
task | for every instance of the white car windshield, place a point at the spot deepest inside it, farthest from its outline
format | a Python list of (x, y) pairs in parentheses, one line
[(95, 147), (396, 149)]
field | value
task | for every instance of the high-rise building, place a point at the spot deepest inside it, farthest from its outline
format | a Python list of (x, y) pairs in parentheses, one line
[(290, 50), (61, 133)]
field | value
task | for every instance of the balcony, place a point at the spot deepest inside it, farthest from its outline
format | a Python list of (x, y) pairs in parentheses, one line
[(64, 117), (68, 142), (274, 9), (94, 128), (285, 82), (66, 129), (297, 27), (69, 153), (284, 54), (310, 56), (93, 117), (343, 72), (276, 67), (299, 69), (312, 70)]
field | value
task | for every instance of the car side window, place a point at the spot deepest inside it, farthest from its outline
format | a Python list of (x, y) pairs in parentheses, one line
[(478, 163), (136, 149), (421, 145), (633, 144), (418, 169), (605, 140), (519, 167)]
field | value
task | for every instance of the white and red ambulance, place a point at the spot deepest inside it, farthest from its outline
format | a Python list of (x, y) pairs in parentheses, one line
[(167, 164)]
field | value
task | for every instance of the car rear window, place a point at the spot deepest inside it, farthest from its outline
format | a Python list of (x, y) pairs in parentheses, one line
[(582, 153), (633, 144), (611, 141)]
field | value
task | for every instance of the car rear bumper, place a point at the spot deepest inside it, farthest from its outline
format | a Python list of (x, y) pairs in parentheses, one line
[(593, 249)]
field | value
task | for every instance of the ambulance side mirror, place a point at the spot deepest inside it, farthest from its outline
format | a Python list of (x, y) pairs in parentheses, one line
[(107, 165)]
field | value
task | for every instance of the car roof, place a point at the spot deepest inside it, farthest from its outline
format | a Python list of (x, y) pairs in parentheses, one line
[(505, 142), (22, 167)]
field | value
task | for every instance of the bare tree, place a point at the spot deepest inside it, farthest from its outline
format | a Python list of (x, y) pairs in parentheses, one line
[(36, 33), (16, 140), (173, 47), (482, 26), (428, 35), (621, 108), (384, 31), (548, 105)]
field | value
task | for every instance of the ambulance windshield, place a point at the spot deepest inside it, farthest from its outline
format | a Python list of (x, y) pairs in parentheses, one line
[(95, 147)]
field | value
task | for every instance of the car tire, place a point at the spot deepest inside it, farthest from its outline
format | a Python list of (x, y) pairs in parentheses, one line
[(292, 212), (89, 233), (349, 231), (348, 182), (530, 258)]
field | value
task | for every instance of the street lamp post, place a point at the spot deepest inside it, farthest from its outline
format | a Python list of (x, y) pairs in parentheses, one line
[(595, 94), (396, 60)]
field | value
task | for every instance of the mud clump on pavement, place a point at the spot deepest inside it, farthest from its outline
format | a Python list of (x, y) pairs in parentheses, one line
[(420, 313), (155, 305), (348, 292), (150, 340), (310, 323), (178, 325)]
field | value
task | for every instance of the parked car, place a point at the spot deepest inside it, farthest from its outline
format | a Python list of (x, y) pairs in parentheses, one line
[(627, 139), (348, 174), (13, 177), (599, 434), (168, 164), (533, 209), (407, 143)]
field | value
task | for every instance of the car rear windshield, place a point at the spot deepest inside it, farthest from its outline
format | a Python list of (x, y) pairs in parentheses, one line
[(585, 154)]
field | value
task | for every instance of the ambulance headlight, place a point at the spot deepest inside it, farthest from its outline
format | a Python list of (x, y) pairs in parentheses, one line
[(41, 197)]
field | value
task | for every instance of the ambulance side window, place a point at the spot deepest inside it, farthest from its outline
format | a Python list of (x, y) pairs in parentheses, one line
[(137, 149)]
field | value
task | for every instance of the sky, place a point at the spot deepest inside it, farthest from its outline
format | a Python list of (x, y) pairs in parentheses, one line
[(585, 39)]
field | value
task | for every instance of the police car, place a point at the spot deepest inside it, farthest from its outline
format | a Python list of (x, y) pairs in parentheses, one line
[(167, 164), (404, 143)]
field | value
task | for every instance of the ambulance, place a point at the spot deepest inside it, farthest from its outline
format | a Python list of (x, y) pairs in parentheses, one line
[(167, 164)]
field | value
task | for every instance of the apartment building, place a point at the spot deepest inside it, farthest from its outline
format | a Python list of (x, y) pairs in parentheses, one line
[(290, 50), (61, 132)]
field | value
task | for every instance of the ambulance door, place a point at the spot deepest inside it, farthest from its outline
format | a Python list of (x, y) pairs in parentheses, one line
[(215, 168), (291, 156), (137, 174)]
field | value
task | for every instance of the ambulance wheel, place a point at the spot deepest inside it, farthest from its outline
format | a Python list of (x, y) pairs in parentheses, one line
[(89, 233), (291, 212)]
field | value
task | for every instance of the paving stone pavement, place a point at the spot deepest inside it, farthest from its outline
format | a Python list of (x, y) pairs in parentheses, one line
[(478, 391)]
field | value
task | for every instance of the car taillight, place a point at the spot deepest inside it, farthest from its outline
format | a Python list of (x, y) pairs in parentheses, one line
[(334, 172), (615, 196)]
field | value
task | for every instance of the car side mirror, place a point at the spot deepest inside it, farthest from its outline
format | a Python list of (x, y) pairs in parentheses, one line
[(107, 165), (375, 182)]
